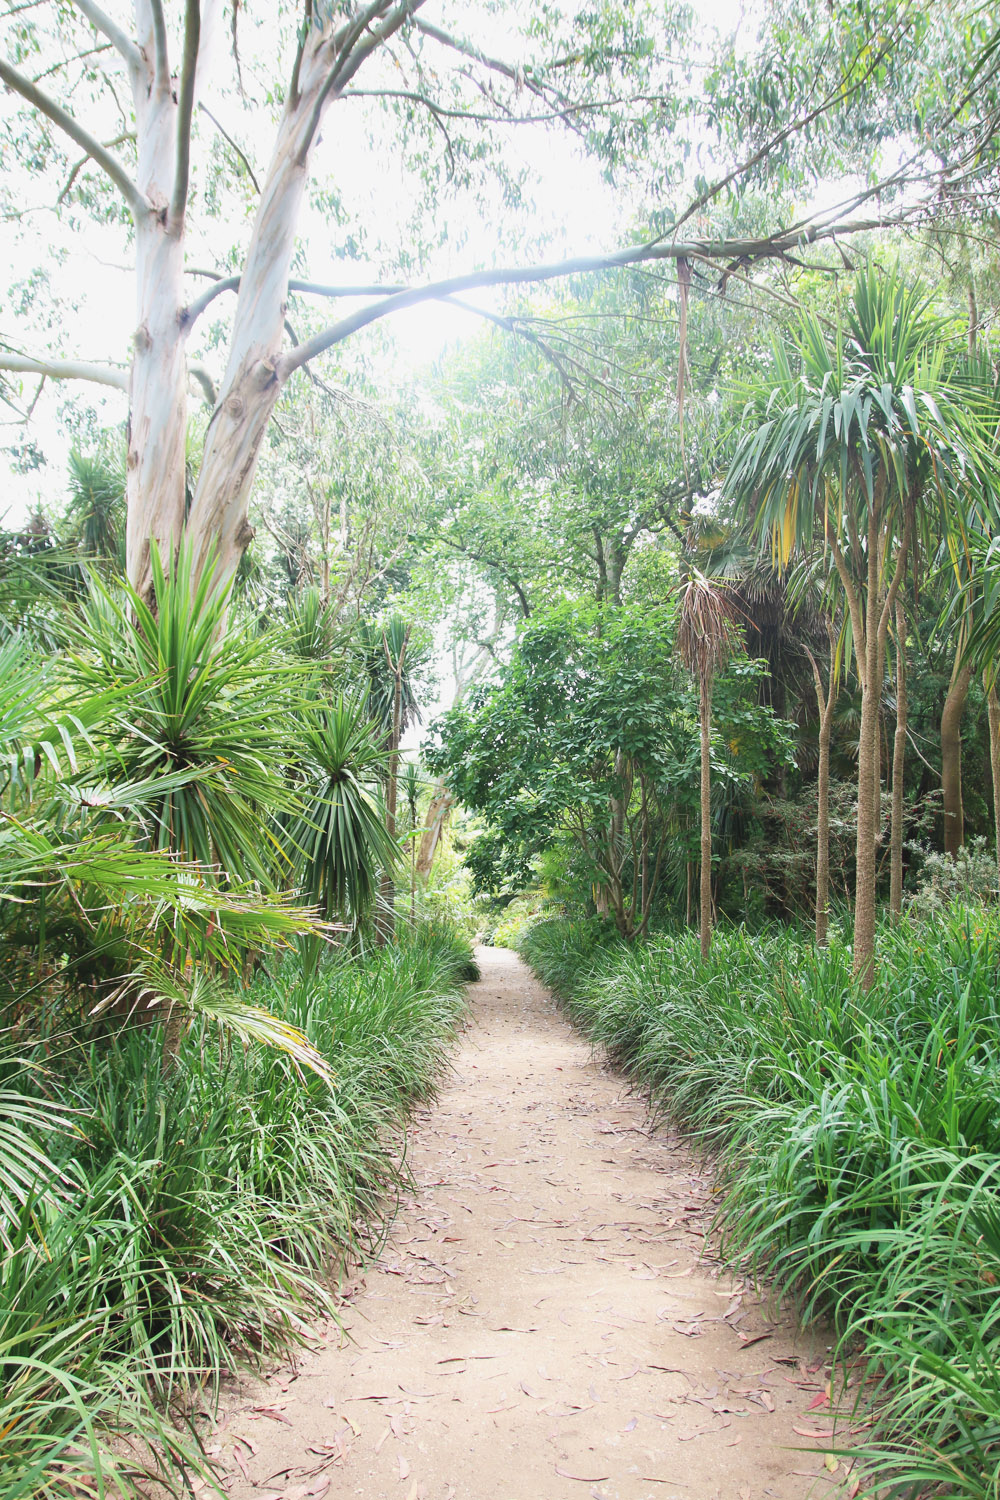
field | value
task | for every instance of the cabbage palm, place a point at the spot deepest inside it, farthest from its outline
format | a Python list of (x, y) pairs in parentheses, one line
[(340, 833), (848, 443), (203, 702)]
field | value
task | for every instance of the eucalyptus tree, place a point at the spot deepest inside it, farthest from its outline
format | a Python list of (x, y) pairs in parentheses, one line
[(145, 103), (834, 453)]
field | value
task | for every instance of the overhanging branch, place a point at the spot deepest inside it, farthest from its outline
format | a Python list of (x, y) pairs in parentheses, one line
[(70, 126), (64, 369), (119, 39), (773, 247), (185, 111)]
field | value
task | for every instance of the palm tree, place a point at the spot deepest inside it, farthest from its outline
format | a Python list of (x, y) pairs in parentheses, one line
[(704, 641), (340, 833), (843, 444), (390, 659)]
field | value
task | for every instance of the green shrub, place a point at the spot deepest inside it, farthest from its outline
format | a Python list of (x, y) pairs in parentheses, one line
[(857, 1137), (196, 1216)]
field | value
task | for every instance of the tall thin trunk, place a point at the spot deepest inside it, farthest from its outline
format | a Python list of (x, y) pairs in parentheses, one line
[(951, 754), (824, 702), (385, 925), (898, 764), (993, 711), (438, 813), (705, 718), (865, 870)]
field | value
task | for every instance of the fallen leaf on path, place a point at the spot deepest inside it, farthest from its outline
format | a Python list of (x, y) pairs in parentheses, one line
[(535, 1395), (311, 1491), (747, 1340), (240, 1459), (631, 1424), (593, 1394), (823, 1399), (273, 1413), (583, 1478), (404, 1467), (831, 1461), (811, 1432), (510, 1328)]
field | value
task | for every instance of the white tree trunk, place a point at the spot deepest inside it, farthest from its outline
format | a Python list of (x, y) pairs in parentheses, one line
[(158, 381), (253, 379)]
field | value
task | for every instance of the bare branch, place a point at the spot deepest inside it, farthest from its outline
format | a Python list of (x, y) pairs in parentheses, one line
[(76, 132), (160, 44), (77, 167), (65, 62), (352, 57), (776, 246), (118, 38), (195, 309), (64, 369), (185, 111), (227, 137)]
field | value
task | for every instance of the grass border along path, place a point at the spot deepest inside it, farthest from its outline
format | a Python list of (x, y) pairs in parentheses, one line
[(857, 1138), (196, 1218)]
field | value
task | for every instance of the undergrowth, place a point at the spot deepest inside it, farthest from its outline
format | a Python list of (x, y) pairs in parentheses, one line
[(858, 1142), (193, 1219)]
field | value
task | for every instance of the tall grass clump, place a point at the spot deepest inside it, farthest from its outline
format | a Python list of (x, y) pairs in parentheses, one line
[(857, 1136), (190, 1219)]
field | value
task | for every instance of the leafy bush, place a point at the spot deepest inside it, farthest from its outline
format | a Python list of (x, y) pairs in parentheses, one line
[(970, 879), (858, 1142), (193, 1216)]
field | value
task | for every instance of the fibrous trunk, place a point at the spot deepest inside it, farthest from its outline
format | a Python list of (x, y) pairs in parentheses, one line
[(898, 765), (705, 717), (993, 710), (951, 756), (868, 784)]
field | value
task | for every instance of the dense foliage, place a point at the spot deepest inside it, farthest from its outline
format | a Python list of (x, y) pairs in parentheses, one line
[(855, 1134), (177, 1222)]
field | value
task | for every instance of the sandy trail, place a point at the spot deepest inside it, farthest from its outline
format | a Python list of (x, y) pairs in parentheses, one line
[(540, 1326)]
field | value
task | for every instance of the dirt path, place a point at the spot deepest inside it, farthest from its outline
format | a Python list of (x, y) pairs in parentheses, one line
[(540, 1326)]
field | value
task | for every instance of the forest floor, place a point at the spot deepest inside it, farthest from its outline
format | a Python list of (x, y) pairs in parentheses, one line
[(546, 1322)]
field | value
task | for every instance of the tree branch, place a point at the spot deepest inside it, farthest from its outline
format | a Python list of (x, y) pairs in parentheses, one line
[(118, 38), (160, 44), (352, 56), (69, 126), (119, 140), (185, 111), (222, 284), (64, 369), (227, 137), (770, 247)]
